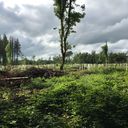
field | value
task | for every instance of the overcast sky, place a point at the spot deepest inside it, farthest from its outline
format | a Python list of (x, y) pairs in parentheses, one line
[(32, 21)]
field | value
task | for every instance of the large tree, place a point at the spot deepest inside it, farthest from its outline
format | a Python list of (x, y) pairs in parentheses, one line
[(69, 15)]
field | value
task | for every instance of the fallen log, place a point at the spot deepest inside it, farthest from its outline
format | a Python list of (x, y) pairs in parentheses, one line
[(14, 78)]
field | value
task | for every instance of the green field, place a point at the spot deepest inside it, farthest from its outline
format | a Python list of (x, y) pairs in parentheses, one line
[(95, 98)]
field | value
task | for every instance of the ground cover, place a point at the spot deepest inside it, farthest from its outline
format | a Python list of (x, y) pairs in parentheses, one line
[(96, 98)]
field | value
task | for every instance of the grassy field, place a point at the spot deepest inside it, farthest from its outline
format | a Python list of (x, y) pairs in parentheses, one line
[(94, 98)]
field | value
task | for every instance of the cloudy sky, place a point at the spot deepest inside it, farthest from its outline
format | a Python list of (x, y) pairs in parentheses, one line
[(32, 21)]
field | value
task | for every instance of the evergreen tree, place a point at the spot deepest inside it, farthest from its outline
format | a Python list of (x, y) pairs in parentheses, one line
[(8, 50), (4, 42), (17, 50), (12, 48)]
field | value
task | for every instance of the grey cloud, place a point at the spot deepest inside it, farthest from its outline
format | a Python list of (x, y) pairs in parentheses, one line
[(120, 46), (38, 21), (42, 23), (30, 48), (8, 20), (104, 20)]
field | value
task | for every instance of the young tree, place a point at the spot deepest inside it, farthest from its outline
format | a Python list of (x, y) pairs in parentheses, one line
[(66, 11), (105, 52), (33, 59), (68, 56), (93, 57)]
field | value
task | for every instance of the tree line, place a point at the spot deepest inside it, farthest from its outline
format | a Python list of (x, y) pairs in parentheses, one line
[(10, 49), (98, 58), (81, 58), (102, 57)]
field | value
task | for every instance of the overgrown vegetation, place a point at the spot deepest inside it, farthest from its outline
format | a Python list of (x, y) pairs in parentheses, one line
[(88, 99)]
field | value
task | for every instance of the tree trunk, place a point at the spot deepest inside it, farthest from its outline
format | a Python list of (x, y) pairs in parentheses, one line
[(63, 62)]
